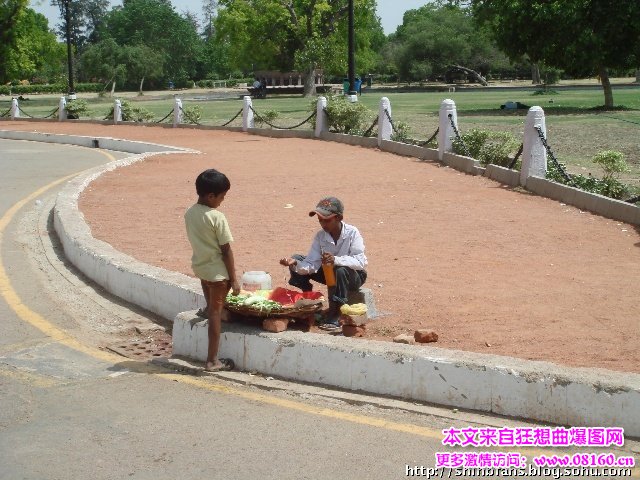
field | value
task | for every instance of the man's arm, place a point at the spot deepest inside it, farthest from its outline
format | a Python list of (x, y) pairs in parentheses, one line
[(355, 259)]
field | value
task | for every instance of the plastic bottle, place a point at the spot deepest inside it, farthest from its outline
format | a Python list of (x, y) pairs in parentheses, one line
[(329, 274)]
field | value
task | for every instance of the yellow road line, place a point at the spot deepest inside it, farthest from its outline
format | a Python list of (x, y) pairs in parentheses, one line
[(31, 378), (14, 301)]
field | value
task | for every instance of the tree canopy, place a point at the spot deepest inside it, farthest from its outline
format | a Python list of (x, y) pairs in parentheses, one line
[(297, 34), (28, 49), (172, 36), (434, 37), (582, 37)]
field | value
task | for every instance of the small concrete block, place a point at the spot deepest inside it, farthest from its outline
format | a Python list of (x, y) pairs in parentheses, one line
[(425, 336), (404, 338), (353, 330), (275, 325)]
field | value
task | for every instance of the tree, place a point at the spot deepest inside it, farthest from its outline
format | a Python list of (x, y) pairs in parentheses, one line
[(34, 52), (296, 34), (582, 37), (85, 19), (9, 12), (433, 38), (163, 30)]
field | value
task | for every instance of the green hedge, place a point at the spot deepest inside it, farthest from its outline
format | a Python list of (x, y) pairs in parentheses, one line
[(56, 88)]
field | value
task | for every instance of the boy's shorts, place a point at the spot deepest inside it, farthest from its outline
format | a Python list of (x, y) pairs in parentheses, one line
[(217, 292)]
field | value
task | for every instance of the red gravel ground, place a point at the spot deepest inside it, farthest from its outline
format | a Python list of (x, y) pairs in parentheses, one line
[(491, 269)]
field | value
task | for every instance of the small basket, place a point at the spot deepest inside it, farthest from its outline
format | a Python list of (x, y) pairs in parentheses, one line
[(285, 312)]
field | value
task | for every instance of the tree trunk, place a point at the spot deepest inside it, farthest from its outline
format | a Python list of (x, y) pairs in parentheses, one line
[(310, 83), (113, 87), (140, 90), (606, 86), (535, 74)]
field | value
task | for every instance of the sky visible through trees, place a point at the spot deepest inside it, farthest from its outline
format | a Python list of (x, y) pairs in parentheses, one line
[(389, 11)]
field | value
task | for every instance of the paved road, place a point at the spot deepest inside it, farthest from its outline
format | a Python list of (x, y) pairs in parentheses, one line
[(71, 410)]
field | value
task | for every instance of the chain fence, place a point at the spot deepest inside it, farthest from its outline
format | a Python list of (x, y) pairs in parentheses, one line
[(5, 114), (234, 117), (190, 116), (458, 137), (264, 120), (515, 159), (553, 158), (167, 116), (367, 133)]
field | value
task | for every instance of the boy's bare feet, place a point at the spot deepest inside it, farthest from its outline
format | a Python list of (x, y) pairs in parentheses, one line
[(221, 365)]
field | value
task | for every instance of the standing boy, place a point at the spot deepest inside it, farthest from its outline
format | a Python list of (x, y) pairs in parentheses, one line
[(338, 245), (212, 260)]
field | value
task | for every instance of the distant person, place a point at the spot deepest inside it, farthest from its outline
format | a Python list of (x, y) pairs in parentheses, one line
[(263, 87), (212, 260), (257, 87), (338, 246)]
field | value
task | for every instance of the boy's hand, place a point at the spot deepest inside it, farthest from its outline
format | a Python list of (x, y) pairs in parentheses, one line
[(235, 287)]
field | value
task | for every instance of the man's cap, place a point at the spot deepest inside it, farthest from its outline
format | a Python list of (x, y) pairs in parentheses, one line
[(327, 207)]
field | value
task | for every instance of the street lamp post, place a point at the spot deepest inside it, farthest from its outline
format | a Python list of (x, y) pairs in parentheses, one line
[(66, 11), (352, 55)]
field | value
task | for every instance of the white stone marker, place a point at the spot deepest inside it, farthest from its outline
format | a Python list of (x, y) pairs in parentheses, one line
[(247, 114), (117, 111), (62, 109), (15, 109), (446, 132), (534, 154), (322, 122), (385, 130), (177, 112)]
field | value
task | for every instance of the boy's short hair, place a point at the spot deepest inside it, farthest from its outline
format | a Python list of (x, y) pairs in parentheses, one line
[(212, 181)]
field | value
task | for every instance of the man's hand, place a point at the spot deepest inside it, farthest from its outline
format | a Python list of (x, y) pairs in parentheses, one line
[(328, 258), (235, 287), (287, 262)]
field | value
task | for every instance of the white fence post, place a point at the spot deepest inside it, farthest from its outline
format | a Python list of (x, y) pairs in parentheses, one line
[(117, 111), (15, 109), (247, 114), (446, 132), (384, 124), (534, 154), (322, 122), (62, 109), (177, 112)]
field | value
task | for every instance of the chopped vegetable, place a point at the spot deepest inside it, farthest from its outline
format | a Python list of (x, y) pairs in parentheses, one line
[(254, 302)]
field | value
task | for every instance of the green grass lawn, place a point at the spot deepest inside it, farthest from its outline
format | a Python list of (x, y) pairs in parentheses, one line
[(576, 131)]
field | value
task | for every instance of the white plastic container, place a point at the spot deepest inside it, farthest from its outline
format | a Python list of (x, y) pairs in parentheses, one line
[(255, 280)]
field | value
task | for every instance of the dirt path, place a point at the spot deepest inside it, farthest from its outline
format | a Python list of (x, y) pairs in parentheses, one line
[(489, 268)]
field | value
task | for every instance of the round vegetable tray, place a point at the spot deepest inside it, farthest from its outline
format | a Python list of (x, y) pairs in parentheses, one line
[(285, 312)]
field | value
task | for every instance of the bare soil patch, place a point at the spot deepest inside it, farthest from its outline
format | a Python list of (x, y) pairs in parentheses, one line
[(489, 268)]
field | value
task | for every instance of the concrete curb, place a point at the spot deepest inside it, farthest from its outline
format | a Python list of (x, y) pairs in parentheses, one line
[(502, 385)]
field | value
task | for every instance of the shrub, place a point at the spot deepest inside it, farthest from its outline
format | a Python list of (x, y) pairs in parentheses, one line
[(192, 114), (487, 146), (268, 116), (345, 116), (132, 114), (400, 132), (76, 108), (612, 162)]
